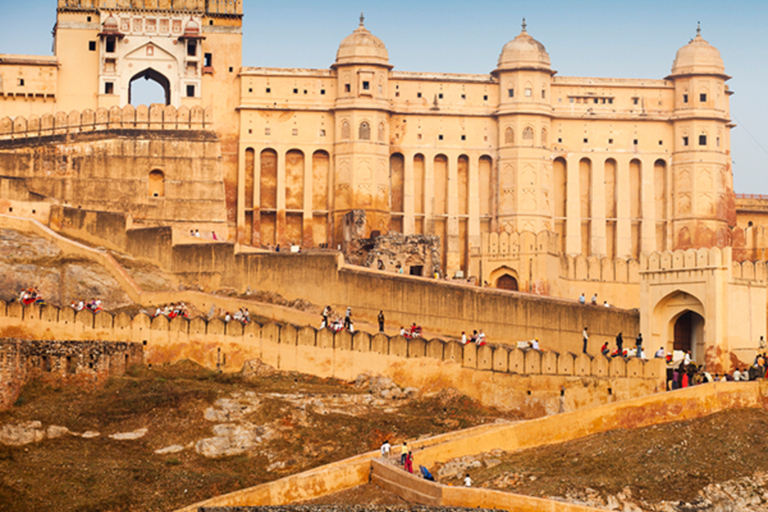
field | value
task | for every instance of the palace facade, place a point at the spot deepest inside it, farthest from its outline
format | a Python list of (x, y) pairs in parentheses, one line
[(533, 181)]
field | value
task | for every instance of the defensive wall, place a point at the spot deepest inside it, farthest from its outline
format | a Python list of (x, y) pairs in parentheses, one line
[(680, 405), (321, 277), (538, 382), (161, 165), (72, 362)]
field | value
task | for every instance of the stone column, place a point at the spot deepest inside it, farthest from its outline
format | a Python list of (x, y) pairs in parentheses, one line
[(573, 207), (280, 216), (473, 209), (648, 208), (240, 216), (257, 195), (597, 210), (452, 243), (623, 221), (429, 198), (409, 198), (306, 228)]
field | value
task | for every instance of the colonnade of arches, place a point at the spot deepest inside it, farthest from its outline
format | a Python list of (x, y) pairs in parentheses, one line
[(611, 207), (286, 196), (446, 194)]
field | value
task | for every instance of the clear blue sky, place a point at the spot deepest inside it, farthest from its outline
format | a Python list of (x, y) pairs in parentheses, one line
[(589, 38)]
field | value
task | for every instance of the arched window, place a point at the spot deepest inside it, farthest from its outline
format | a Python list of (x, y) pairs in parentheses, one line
[(345, 130), (382, 132), (364, 133), (528, 133), (509, 135), (156, 183), (543, 136)]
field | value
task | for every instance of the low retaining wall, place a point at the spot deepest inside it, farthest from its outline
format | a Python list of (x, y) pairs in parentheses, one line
[(414, 489), (679, 405), (538, 382)]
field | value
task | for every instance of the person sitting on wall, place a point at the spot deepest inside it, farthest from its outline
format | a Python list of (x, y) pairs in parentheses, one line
[(403, 332), (480, 338), (535, 344), (463, 338), (246, 316), (604, 349), (582, 299), (594, 300), (473, 338), (660, 354)]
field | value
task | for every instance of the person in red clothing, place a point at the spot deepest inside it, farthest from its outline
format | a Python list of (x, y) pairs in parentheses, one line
[(409, 462)]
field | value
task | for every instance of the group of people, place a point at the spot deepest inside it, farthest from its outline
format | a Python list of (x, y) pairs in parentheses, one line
[(171, 311), (477, 337), (593, 301), (30, 296), (335, 322), (242, 315), (406, 460), (620, 351), (196, 234), (93, 305), (414, 331)]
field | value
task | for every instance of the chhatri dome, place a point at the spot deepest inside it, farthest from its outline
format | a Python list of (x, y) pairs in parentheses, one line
[(362, 47), (524, 52), (698, 57)]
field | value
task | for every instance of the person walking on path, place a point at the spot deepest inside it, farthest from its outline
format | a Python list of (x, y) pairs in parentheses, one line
[(409, 462), (639, 345), (467, 481), (386, 449), (585, 339), (403, 453), (381, 321)]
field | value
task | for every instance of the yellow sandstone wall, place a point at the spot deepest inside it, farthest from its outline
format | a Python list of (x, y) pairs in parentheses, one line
[(534, 381)]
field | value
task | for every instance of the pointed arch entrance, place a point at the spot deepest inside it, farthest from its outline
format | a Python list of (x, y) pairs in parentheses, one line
[(155, 76), (504, 278), (679, 324)]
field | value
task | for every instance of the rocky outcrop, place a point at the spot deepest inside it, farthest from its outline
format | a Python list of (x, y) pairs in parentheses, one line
[(384, 387)]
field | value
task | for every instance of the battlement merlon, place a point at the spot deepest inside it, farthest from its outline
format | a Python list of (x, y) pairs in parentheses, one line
[(208, 7)]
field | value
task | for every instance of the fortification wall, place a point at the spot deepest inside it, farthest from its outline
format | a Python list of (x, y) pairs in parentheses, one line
[(541, 382), (160, 165), (85, 363), (207, 6)]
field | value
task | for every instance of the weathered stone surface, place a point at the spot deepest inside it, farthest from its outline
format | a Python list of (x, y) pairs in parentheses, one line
[(55, 431), (130, 436), (22, 433), (230, 439), (174, 448)]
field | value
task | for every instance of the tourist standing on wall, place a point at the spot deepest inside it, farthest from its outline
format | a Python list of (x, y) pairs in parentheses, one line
[(585, 339), (620, 344), (639, 345), (467, 481), (403, 453), (348, 318), (381, 321)]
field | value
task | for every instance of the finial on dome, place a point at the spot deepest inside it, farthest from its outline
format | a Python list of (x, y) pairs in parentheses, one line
[(362, 20), (524, 25), (698, 28)]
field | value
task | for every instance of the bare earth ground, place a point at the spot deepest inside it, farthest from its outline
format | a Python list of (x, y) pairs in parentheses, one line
[(304, 422), (665, 463)]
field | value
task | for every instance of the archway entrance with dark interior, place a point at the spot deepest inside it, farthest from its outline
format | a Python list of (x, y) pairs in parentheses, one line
[(689, 333), (155, 88), (507, 282)]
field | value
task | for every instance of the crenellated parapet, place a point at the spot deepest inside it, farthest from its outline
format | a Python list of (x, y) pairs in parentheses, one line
[(156, 117), (511, 245), (159, 333), (593, 268)]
